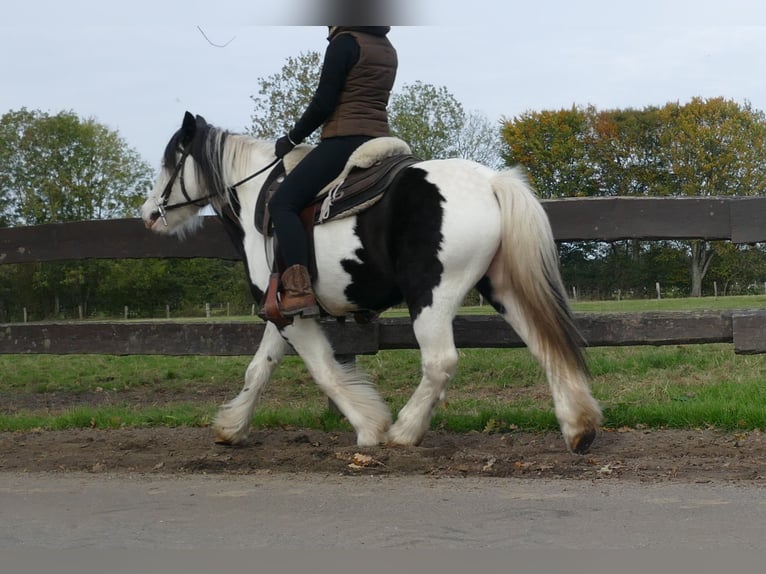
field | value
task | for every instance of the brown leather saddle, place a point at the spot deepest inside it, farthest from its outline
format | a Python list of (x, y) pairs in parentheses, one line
[(360, 189)]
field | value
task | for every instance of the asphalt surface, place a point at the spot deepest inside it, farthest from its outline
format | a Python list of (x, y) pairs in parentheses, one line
[(279, 511)]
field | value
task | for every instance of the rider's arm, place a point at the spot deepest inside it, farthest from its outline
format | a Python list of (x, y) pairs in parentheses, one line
[(341, 55)]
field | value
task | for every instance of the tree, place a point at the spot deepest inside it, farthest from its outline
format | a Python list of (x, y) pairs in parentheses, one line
[(713, 147), (479, 140), (284, 96), (61, 168), (56, 168), (436, 126), (427, 117), (703, 148), (624, 151), (553, 147)]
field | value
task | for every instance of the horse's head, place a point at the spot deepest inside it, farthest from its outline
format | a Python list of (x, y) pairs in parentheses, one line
[(180, 191)]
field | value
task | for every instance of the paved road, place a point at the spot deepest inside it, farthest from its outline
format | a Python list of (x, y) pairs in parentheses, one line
[(318, 511)]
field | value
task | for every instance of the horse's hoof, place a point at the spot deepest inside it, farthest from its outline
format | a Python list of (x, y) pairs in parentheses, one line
[(222, 440), (227, 439), (581, 443), (369, 441)]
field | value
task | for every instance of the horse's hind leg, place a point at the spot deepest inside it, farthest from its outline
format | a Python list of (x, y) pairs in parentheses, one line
[(577, 411), (232, 423), (351, 391), (439, 357)]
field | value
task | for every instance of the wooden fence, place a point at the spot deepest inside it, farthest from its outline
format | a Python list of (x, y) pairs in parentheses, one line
[(740, 220)]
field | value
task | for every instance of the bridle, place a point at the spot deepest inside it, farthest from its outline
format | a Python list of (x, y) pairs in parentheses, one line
[(178, 173)]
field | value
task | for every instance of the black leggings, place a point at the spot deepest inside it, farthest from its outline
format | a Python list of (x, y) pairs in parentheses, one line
[(323, 164)]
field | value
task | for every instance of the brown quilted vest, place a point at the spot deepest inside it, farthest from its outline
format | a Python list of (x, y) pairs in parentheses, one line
[(361, 108)]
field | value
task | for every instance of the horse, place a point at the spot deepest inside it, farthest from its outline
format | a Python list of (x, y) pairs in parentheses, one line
[(444, 227)]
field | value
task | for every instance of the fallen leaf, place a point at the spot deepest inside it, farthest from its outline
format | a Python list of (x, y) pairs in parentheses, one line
[(359, 461)]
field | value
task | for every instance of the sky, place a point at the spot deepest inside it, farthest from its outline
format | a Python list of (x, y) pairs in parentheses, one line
[(138, 66)]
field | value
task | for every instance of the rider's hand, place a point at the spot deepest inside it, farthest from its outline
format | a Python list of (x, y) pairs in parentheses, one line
[(283, 146)]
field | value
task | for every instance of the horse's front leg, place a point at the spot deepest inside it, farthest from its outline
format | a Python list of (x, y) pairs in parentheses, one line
[(232, 423), (433, 330), (351, 391)]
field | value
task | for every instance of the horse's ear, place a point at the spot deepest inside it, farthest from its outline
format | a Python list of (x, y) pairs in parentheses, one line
[(201, 122), (188, 127)]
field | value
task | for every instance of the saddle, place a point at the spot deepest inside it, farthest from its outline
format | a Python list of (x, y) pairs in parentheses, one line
[(372, 169)]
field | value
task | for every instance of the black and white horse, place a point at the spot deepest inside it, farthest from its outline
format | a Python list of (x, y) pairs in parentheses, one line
[(445, 227)]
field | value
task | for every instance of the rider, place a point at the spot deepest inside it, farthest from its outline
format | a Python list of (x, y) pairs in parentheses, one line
[(350, 102)]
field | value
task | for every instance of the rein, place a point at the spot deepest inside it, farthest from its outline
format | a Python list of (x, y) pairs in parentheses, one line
[(178, 173), (251, 176)]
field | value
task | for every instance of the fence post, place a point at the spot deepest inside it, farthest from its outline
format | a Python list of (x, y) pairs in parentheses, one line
[(207, 310), (25, 314), (167, 311), (127, 313), (659, 292), (715, 289)]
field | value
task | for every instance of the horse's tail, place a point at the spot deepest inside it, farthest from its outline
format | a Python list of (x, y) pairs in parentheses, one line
[(527, 269)]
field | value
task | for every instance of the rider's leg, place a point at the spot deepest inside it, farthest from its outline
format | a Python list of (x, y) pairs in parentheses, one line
[(316, 170)]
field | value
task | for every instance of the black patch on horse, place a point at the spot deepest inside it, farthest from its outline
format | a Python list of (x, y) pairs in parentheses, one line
[(401, 236)]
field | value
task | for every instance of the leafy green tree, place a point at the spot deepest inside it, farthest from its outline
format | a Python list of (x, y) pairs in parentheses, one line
[(713, 147), (283, 97), (62, 168), (738, 269), (436, 126), (56, 168), (427, 117)]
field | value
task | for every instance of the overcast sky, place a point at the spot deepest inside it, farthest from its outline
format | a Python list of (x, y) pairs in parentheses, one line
[(138, 67)]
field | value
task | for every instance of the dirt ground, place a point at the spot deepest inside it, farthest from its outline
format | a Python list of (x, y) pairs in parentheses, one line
[(624, 454), (628, 454)]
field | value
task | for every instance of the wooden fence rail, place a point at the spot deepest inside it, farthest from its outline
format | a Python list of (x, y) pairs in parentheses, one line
[(740, 220), (745, 329)]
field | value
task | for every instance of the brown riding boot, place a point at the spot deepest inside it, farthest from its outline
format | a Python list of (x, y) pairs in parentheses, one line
[(297, 295)]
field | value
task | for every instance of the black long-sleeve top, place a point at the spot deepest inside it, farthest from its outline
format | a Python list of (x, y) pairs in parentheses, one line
[(341, 55)]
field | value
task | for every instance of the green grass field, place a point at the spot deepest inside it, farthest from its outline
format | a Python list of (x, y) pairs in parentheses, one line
[(495, 390)]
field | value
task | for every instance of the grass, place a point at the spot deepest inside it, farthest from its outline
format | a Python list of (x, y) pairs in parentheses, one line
[(685, 304), (495, 390)]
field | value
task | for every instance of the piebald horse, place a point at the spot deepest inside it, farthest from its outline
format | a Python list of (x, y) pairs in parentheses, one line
[(443, 228)]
